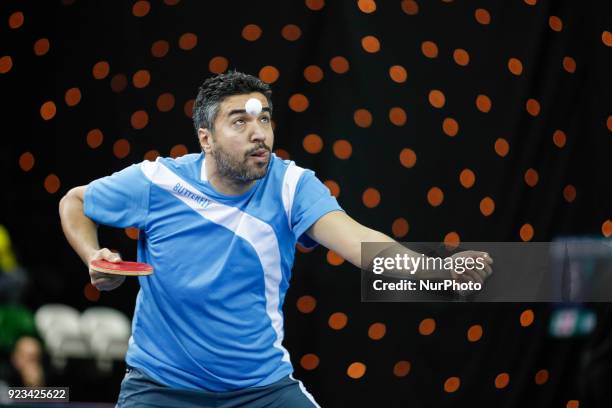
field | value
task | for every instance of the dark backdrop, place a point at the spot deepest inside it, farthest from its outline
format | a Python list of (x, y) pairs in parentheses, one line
[(551, 108)]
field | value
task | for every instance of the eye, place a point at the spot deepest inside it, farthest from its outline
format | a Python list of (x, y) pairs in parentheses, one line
[(239, 122), (265, 119)]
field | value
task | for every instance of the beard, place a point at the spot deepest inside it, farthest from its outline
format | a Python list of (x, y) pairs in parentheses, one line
[(240, 170)]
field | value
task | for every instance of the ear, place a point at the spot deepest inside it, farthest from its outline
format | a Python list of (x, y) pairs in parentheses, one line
[(205, 138)]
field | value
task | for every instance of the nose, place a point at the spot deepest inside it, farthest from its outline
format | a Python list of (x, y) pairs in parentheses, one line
[(257, 133)]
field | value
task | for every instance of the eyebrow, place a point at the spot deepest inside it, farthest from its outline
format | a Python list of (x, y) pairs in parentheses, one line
[(235, 111)]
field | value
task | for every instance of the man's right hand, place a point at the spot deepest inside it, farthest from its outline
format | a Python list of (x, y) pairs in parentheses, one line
[(105, 281)]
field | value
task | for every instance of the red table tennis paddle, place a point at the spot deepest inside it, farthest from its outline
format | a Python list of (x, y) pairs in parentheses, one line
[(121, 268)]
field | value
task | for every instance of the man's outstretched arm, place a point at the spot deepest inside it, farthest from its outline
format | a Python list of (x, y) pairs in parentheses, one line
[(343, 235), (82, 234)]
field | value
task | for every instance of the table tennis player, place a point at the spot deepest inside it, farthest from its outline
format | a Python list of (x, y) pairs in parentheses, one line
[(220, 229)]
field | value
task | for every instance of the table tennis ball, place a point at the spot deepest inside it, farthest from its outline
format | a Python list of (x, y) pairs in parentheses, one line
[(253, 107)]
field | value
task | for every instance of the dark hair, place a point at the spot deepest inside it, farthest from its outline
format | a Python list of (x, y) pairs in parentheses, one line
[(215, 89)]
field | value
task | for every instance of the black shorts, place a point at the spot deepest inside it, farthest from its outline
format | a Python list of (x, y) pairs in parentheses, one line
[(139, 390)]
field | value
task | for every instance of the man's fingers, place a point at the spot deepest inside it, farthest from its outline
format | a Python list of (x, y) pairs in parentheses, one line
[(107, 255)]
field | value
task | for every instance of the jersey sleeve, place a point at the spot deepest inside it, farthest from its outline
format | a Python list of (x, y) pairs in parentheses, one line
[(119, 200), (312, 201)]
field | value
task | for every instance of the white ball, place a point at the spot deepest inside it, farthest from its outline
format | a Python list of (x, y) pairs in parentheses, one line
[(253, 107)]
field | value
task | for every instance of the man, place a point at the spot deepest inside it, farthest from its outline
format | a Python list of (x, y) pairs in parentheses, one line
[(220, 230)]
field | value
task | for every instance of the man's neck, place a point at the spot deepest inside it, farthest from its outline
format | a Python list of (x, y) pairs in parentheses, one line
[(225, 185)]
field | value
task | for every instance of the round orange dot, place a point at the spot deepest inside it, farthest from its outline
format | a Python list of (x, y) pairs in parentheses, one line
[(526, 318), (572, 404), (559, 138), (437, 98), (306, 304), (282, 153), (452, 384), (313, 74), (188, 41), (370, 44), (526, 232), (309, 361), (339, 64), (569, 64), (100, 70), (533, 107), (482, 16), (515, 66), (72, 96), (160, 48), (312, 143), (119, 83), (91, 293), (6, 64), (315, 5), (342, 149), (141, 78), (370, 197), (94, 138), (356, 370), (502, 380), (16, 20), (541, 377), (435, 196), (429, 49), (452, 240), (367, 6), (52, 183), (178, 151), (269, 74), (609, 123), (467, 178), (487, 206), (606, 38), (377, 331), (397, 116), (401, 368), (41, 47), (334, 259), (362, 118), (188, 108), (474, 333), (121, 148), (427, 326), (141, 8), (461, 57), (483, 103), (132, 233), (408, 158), (450, 127), (398, 74), (151, 155), (139, 119), (338, 321), (569, 193), (606, 228), (531, 177), (48, 110), (298, 102), (165, 102), (410, 7), (26, 161), (334, 188), (502, 147), (400, 227), (531, 2), (555, 23), (218, 64), (251, 32), (291, 32)]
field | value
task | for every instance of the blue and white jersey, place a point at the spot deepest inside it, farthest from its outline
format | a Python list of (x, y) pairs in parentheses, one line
[(210, 316)]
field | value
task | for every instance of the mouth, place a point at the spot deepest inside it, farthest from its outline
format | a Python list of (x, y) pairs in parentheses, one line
[(260, 153)]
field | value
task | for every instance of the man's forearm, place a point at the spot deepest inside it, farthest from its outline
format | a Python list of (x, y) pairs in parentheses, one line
[(81, 232)]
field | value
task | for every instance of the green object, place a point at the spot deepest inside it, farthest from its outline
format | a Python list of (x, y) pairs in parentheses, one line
[(15, 322)]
